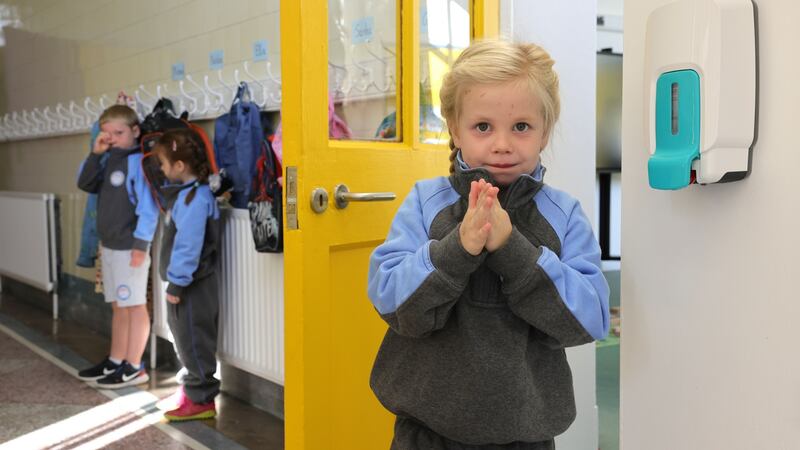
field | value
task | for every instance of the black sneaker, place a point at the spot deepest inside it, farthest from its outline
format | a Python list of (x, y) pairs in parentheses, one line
[(125, 375), (104, 368)]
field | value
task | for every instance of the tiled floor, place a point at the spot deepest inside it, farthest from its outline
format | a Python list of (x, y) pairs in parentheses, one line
[(40, 405), (49, 395)]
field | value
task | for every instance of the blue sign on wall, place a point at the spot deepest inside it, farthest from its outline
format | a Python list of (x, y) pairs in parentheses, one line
[(260, 50), (216, 59), (178, 71), (363, 30)]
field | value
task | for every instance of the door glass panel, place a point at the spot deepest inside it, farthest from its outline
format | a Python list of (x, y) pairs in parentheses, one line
[(444, 34), (363, 70)]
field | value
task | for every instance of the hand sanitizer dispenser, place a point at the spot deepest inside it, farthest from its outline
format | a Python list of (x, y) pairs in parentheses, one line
[(701, 78)]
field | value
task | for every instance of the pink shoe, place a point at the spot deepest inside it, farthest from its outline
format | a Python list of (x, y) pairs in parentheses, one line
[(189, 410), (173, 401)]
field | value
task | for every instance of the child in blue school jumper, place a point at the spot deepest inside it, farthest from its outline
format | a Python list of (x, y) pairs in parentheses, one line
[(488, 275), (189, 262), (127, 217)]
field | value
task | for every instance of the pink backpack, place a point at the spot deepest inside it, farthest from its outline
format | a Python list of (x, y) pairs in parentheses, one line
[(337, 128)]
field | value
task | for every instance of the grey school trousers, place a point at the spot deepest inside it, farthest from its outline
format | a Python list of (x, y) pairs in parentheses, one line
[(193, 323), (410, 434)]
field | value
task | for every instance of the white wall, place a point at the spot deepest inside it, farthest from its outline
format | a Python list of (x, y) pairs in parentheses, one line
[(611, 7), (709, 280), (568, 31), (609, 35)]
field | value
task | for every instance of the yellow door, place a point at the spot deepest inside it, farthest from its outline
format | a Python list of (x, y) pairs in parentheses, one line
[(380, 57)]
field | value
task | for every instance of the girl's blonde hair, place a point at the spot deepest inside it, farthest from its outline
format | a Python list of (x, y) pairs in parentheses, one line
[(500, 61), (119, 112)]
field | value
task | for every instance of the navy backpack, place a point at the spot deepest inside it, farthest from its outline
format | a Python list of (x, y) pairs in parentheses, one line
[(238, 138)]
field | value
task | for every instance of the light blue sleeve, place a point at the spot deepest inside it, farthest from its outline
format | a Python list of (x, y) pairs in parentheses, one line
[(577, 275), (400, 265), (190, 221), (146, 208)]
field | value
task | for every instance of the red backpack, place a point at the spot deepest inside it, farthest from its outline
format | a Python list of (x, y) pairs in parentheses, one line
[(266, 197), (163, 119)]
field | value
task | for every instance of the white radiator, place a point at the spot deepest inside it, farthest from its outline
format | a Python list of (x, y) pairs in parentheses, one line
[(160, 326), (251, 302), (251, 310), (28, 245)]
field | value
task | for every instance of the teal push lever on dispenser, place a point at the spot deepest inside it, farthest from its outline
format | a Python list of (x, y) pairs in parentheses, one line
[(701, 82)]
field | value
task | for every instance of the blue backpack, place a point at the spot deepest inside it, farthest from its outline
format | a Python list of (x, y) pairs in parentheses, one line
[(237, 143)]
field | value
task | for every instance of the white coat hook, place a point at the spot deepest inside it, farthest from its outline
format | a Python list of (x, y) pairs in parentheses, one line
[(105, 102), (22, 123), (144, 90), (366, 75), (65, 122), (338, 81), (147, 106), (271, 75), (347, 84), (11, 132), (9, 126), (22, 128), (166, 92), (263, 103), (162, 91), (28, 128), (92, 109), (54, 119), (12, 125), (220, 104), (28, 117), (39, 121), (201, 90), (80, 118), (276, 99), (8, 133), (388, 78), (52, 122), (15, 122), (184, 97), (45, 124), (228, 87), (141, 101)]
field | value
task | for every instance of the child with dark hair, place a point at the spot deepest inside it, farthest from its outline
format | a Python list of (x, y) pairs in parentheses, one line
[(189, 261)]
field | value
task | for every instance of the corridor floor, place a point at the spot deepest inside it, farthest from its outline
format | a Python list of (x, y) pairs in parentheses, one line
[(43, 404)]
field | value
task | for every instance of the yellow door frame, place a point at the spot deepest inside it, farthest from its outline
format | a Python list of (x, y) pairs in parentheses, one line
[(485, 19)]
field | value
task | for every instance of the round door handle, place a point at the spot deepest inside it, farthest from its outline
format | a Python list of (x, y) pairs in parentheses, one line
[(343, 196)]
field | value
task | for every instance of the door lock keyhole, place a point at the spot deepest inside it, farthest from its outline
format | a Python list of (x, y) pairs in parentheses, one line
[(319, 200)]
